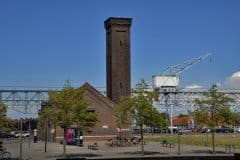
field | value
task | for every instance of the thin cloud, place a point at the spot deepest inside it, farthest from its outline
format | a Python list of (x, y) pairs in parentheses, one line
[(232, 82), (193, 87)]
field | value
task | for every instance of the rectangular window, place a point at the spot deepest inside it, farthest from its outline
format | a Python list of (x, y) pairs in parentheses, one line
[(120, 31), (91, 110)]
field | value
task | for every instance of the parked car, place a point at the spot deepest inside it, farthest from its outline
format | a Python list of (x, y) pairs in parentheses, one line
[(237, 129), (157, 130), (5, 135), (205, 130), (224, 130), (174, 129), (24, 134), (185, 131), (12, 133)]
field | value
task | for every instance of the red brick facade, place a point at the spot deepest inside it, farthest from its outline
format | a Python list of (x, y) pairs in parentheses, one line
[(103, 107)]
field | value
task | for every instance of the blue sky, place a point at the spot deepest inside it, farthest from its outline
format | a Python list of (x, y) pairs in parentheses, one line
[(45, 43)]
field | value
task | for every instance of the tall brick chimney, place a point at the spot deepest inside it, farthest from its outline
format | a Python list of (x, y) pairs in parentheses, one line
[(118, 57)]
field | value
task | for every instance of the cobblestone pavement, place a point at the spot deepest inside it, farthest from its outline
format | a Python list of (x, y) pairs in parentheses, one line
[(54, 150)]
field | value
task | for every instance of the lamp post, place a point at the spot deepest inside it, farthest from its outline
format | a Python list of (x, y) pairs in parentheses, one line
[(20, 156), (29, 130), (166, 94), (178, 140), (46, 135)]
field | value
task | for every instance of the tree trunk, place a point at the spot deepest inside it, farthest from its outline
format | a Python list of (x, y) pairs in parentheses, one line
[(55, 133), (142, 146), (213, 142), (213, 138), (207, 143), (120, 131), (64, 142)]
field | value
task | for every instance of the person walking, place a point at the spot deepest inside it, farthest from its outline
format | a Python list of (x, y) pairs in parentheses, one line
[(35, 135)]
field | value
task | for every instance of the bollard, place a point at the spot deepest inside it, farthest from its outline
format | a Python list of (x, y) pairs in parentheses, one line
[(81, 139), (35, 135)]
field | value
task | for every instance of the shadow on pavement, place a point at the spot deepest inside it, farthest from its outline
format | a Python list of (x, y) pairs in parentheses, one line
[(207, 151), (145, 153), (77, 155)]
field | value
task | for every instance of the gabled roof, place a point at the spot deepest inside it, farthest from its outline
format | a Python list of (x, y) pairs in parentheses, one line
[(99, 95)]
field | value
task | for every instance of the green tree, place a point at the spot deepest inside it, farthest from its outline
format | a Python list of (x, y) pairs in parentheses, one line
[(213, 110), (6, 123), (122, 113), (139, 108), (236, 119), (3, 110), (200, 117), (48, 116), (69, 108), (225, 116)]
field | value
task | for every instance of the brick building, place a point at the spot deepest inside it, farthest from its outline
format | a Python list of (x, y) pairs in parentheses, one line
[(99, 104), (103, 107), (118, 80)]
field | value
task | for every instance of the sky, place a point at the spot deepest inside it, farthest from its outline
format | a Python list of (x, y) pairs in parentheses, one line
[(44, 43)]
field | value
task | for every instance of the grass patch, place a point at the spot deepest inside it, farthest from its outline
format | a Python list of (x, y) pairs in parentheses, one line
[(198, 139)]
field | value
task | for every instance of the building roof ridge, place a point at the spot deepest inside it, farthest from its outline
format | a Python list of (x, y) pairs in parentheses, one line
[(98, 94)]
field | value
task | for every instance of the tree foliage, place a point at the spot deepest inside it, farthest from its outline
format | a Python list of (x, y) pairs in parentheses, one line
[(213, 110), (123, 111), (69, 107), (3, 110), (66, 108), (6, 123), (236, 118), (139, 108)]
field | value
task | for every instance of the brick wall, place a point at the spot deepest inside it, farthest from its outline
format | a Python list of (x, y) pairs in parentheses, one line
[(107, 124)]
